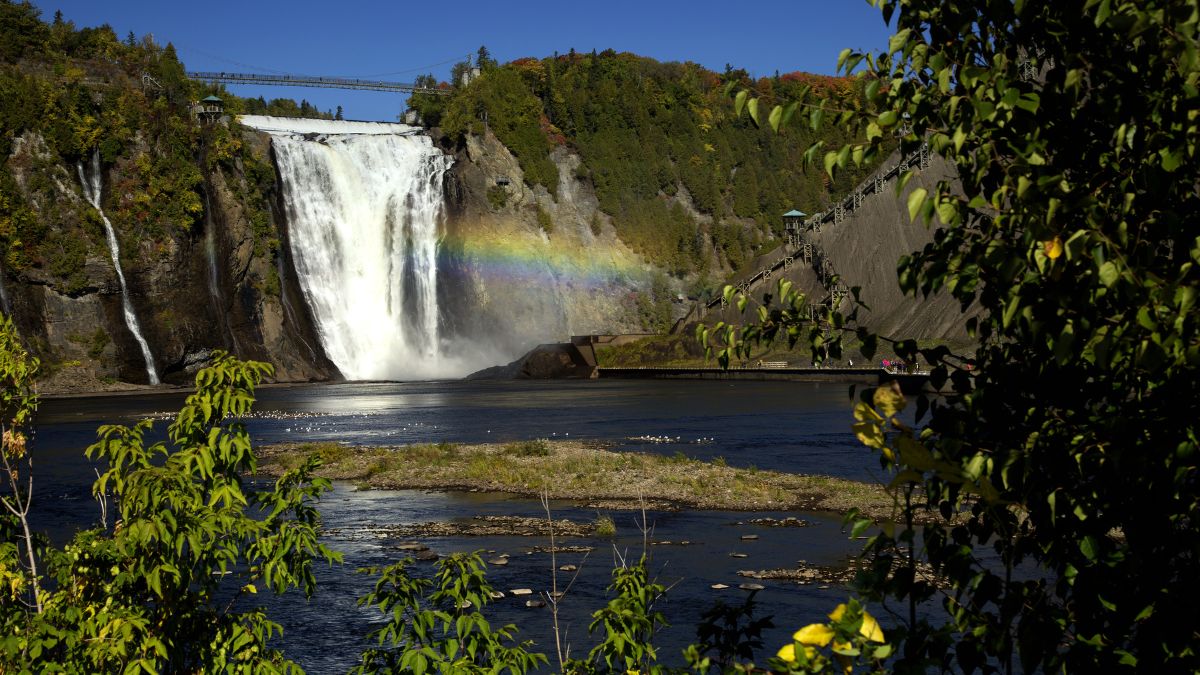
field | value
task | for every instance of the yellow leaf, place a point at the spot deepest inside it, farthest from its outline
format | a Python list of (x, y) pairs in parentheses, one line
[(865, 413), (814, 634), (870, 628), (1053, 248), (889, 400), (869, 434), (836, 614), (788, 653)]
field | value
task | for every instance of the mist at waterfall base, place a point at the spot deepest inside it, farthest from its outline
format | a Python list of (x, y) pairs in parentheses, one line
[(364, 204)]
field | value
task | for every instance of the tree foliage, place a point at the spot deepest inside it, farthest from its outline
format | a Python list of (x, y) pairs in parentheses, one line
[(650, 133), (68, 92), (438, 624), (1066, 444), (168, 585)]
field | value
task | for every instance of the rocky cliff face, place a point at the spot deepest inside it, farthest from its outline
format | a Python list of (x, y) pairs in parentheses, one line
[(525, 267), (192, 292), (518, 267)]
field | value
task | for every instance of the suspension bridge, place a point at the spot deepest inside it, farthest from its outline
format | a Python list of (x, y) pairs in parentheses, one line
[(315, 81)]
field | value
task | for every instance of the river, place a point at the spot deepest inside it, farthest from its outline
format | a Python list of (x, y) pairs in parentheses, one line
[(788, 426)]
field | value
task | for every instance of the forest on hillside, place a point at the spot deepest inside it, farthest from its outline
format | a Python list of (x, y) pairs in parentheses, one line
[(647, 131), (66, 92)]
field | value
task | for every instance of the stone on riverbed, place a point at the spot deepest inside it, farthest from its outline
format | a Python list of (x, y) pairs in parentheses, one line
[(780, 522), (520, 591)]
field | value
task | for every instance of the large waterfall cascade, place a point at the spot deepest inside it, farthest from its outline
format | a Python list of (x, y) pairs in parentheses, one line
[(92, 186), (364, 203)]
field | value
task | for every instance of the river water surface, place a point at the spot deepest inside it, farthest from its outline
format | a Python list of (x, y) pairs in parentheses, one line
[(787, 426)]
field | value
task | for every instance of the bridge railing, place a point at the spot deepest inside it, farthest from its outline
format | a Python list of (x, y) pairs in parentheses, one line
[(314, 81)]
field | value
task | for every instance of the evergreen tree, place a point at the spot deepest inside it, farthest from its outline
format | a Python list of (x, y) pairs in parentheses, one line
[(338, 114), (484, 59)]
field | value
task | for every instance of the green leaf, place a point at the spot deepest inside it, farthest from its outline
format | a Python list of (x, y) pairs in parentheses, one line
[(1170, 160), (815, 118), (788, 111), (897, 41), (1109, 273), (740, 102), (774, 117), (752, 106), (915, 200), (830, 162), (1089, 547)]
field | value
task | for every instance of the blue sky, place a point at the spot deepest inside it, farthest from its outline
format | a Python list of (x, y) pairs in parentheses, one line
[(393, 40)]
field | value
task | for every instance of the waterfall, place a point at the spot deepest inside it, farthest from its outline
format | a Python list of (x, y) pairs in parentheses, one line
[(5, 303), (91, 190), (363, 203)]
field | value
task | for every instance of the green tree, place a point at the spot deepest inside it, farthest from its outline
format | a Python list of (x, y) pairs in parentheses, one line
[(438, 624), (168, 584), (1067, 444), (483, 59)]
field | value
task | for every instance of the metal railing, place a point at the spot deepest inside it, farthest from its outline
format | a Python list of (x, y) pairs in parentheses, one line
[(315, 81)]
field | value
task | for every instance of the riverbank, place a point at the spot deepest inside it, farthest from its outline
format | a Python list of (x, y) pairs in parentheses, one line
[(586, 472)]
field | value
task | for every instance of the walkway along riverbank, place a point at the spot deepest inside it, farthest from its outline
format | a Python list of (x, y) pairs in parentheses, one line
[(909, 382)]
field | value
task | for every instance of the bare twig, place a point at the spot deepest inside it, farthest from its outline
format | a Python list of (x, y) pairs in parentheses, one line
[(553, 598), (20, 507), (102, 498)]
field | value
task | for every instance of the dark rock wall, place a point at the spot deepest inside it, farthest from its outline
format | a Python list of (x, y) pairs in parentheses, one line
[(864, 249), (79, 331)]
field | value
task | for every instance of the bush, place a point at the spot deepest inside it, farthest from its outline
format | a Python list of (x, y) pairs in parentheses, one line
[(544, 220), (604, 526)]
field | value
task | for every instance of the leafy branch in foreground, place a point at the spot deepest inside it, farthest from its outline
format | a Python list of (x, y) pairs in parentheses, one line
[(438, 624), (1069, 452), (167, 587)]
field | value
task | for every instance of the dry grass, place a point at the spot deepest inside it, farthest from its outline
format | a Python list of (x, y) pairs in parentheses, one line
[(582, 471)]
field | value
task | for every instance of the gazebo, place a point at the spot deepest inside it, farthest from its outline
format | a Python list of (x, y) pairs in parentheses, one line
[(793, 221), (209, 109)]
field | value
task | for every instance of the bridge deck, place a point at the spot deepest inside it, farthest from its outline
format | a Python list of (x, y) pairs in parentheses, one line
[(314, 81)]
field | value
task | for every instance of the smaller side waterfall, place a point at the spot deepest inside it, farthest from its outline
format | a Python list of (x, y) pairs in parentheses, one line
[(5, 303), (91, 190)]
